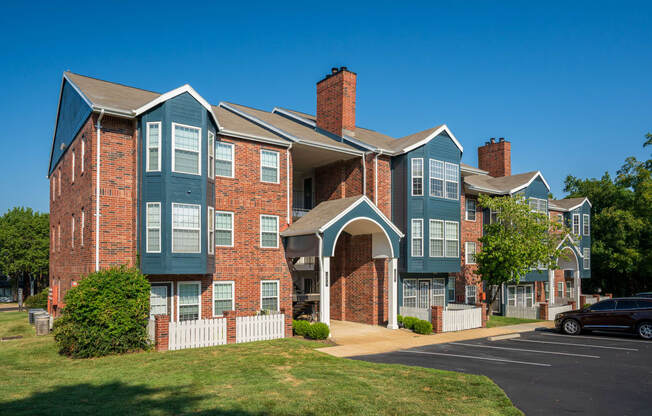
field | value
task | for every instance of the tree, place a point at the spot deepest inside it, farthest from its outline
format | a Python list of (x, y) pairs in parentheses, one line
[(25, 244), (516, 242)]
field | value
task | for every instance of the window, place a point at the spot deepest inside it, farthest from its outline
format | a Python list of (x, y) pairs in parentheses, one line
[(153, 218), (83, 153), (586, 261), (54, 188), (436, 238), (493, 216), (269, 231), (417, 237), (470, 294), (605, 305), (469, 252), (269, 295), (560, 218), (417, 177), (186, 231), (410, 293), (269, 166), (576, 224), (153, 147), (436, 178), (452, 181), (586, 224), (626, 305), (546, 290), (59, 184), (521, 295), (223, 295), (224, 161), (72, 173), (211, 154), (186, 157), (72, 232), (81, 228), (452, 239), (224, 229), (189, 301), (158, 300), (569, 288), (438, 292), (560, 290), (211, 230), (538, 205), (470, 209)]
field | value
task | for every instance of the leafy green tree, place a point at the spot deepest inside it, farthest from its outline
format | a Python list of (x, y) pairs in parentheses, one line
[(517, 241)]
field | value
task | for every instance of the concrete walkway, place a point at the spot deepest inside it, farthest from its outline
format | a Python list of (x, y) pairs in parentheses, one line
[(359, 339)]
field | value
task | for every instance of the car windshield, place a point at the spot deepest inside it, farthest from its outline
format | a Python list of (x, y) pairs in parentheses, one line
[(605, 305)]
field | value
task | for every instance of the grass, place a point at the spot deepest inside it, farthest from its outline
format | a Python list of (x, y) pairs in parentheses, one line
[(281, 377), (497, 320)]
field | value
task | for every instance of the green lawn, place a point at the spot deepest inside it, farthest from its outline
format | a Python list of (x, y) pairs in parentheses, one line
[(282, 377), (497, 320)]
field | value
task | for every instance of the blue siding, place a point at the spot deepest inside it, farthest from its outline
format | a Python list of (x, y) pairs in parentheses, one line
[(73, 113), (537, 189), (585, 242)]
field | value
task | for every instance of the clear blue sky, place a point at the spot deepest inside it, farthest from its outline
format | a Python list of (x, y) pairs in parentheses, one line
[(568, 83)]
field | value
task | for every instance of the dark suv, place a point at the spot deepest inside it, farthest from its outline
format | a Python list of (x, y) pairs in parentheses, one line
[(622, 314)]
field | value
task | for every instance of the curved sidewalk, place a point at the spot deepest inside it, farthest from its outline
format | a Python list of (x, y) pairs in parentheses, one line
[(355, 339)]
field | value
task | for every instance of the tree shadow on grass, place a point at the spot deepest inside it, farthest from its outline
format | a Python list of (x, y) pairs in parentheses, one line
[(114, 398)]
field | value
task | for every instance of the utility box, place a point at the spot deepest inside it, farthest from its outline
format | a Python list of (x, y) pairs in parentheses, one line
[(42, 324)]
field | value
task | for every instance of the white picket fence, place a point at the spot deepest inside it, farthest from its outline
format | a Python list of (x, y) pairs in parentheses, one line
[(196, 334), (554, 310), (259, 328), (461, 317), (421, 313), (523, 312), (151, 330)]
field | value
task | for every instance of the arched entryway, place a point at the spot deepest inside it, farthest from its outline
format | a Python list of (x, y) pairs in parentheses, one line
[(569, 266)]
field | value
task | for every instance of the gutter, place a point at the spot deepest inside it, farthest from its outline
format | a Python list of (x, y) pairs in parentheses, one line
[(287, 165), (97, 191), (380, 152)]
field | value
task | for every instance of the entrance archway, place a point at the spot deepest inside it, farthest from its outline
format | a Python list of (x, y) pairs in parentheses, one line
[(568, 260)]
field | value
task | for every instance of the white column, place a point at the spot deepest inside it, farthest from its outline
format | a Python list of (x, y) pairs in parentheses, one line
[(551, 286), (578, 288), (392, 295), (324, 291)]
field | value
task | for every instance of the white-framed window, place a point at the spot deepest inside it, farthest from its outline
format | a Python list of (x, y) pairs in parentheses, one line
[(72, 173), (438, 292), (538, 205), (83, 154), (569, 288), (153, 146), (269, 166), (560, 218), (417, 177), (417, 237), (452, 239), (224, 159), (153, 219), (586, 224), (189, 301), (81, 227), (493, 216), (586, 261), (72, 231), (211, 154), (452, 181), (54, 188), (410, 293), (186, 228), (223, 297), (560, 290), (576, 224), (211, 230), (436, 178), (59, 180), (269, 231), (470, 294), (471, 208), (223, 229), (186, 149), (469, 252), (546, 290), (269, 295), (520, 295), (436, 234)]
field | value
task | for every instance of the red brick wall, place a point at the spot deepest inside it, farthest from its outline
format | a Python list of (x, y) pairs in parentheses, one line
[(470, 231), (338, 180), (496, 158), (336, 102)]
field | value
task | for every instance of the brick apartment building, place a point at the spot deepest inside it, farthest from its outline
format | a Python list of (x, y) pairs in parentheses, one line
[(228, 207)]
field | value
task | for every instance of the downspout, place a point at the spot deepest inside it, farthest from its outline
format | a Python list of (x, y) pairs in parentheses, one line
[(287, 165), (97, 192), (319, 252), (376, 177), (364, 174)]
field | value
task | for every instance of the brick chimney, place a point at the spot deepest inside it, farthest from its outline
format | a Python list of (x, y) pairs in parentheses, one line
[(336, 102), (496, 157)]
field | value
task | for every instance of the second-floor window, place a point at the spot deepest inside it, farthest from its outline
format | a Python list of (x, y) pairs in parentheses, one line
[(269, 166), (452, 239), (269, 231), (586, 261), (538, 205), (452, 181), (436, 178), (417, 237), (72, 232), (436, 238), (223, 229), (83, 153), (81, 228), (154, 146), (586, 224), (211, 230), (576, 224), (269, 295), (186, 230), (469, 252), (224, 160), (417, 177), (470, 209), (72, 172), (211, 154), (153, 219), (186, 155)]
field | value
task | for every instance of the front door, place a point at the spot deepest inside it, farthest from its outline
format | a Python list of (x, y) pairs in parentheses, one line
[(424, 294), (159, 300)]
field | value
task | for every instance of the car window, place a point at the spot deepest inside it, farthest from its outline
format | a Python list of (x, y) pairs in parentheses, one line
[(605, 305), (644, 303), (626, 305)]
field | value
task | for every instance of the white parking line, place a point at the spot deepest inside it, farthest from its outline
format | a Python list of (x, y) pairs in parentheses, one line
[(575, 345), (477, 358), (605, 338), (524, 350)]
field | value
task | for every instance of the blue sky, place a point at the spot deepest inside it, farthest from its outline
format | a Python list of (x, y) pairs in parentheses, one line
[(567, 83)]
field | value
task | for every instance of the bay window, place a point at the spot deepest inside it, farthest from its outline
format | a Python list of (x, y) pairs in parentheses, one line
[(186, 155), (436, 238), (417, 237), (436, 178), (417, 177), (153, 227), (153, 133), (186, 228), (452, 239)]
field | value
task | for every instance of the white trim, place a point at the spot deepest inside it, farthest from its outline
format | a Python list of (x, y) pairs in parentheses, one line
[(432, 135), (196, 282), (210, 235), (294, 116), (586, 223), (199, 172), (72, 175), (170, 295), (258, 121), (216, 282), (558, 208), (352, 206), (81, 228), (253, 137), (457, 240), (278, 292), (147, 227), (278, 165), (260, 228), (147, 145), (567, 237), (413, 176), (586, 256), (431, 239), (466, 294), (412, 222), (537, 174), (466, 209), (356, 219), (211, 154), (98, 149), (230, 213), (579, 225), (232, 146), (72, 231), (432, 163), (466, 251), (457, 180), (83, 152), (471, 169), (183, 228)]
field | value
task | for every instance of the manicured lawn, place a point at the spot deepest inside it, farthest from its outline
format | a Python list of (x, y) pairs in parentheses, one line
[(496, 320), (282, 377)]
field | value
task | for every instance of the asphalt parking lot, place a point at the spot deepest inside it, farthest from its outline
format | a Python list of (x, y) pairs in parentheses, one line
[(547, 373)]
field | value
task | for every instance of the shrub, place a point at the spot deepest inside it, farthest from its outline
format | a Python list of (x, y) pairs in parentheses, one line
[(399, 319), (423, 327), (105, 314), (40, 300), (301, 327), (318, 330), (409, 321)]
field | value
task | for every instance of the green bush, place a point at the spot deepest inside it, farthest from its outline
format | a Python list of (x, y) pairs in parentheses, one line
[(318, 330), (105, 314), (40, 300), (423, 327), (399, 319), (409, 321), (301, 328)]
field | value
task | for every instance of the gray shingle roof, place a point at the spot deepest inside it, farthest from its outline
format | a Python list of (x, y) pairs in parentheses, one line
[(111, 95), (565, 204), (502, 185), (319, 216)]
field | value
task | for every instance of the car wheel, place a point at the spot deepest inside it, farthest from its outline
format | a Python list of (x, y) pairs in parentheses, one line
[(645, 330), (571, 327)]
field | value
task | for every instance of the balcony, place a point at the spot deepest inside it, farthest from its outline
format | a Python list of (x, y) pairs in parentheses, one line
[(301, 204)]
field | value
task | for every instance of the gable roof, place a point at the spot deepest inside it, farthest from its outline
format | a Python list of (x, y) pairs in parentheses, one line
[(567, 204), (504, 184)]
